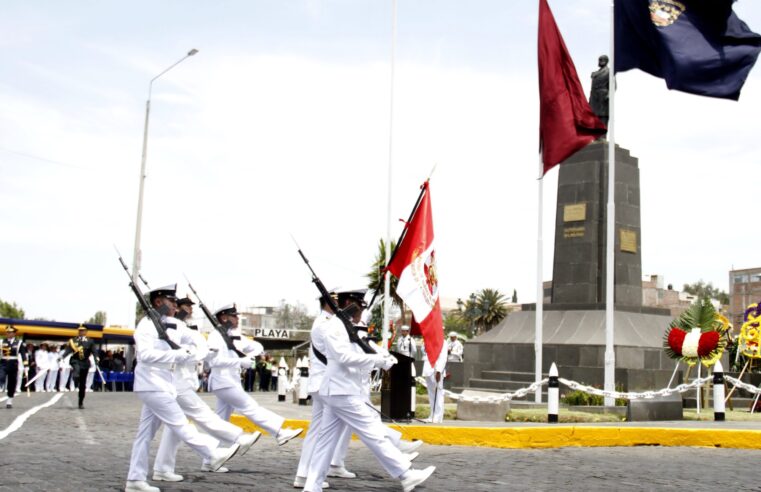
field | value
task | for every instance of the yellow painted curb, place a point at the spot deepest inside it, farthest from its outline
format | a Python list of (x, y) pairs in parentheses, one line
[(558, 436)]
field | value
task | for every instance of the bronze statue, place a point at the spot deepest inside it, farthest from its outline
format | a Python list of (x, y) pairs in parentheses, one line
[(598, 95)]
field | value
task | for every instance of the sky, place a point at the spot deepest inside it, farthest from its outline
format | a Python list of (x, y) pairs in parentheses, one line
[(280, 126)]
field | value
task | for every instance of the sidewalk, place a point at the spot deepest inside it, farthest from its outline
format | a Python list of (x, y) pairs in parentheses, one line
[(516, 435)]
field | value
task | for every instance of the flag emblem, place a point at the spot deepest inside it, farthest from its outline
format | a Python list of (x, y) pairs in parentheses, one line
[(665, 12)]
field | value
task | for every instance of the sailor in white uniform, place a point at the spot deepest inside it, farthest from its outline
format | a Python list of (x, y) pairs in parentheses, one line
[(434, 380), (341, 392), (155, 386), (405, 344), (454, 348), (224, 380), (186, 382)]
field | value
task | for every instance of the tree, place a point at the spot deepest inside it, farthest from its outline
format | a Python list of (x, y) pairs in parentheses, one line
[(706, 291), (376, 278), (515, 296), (290, 316), (455, 321), (99, 318), (491, 307), (11, 310)]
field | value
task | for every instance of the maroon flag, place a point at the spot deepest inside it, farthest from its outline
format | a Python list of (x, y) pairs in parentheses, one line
[(566, 121)]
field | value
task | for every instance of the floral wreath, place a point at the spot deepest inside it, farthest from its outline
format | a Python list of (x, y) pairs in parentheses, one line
[(749, 342), (699, 334)]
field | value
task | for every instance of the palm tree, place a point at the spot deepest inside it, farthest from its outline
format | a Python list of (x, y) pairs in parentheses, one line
[(376, 275), (491, 309)]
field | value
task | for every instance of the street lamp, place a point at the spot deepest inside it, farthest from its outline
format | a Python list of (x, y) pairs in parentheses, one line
[(136, 254)]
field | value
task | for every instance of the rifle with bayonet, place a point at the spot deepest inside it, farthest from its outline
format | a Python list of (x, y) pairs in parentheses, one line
[(216, 324), (342, 314), (154, 315)]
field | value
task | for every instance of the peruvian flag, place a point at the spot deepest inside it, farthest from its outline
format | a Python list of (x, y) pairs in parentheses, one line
[(414, 264)]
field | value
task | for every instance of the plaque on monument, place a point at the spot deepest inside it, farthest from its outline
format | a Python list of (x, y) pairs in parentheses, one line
[(628, 241), (570, 232), (574, 212)]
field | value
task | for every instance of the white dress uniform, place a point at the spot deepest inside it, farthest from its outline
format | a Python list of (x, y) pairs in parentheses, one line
[(316, 373), (42, 361), (53, 366), (91, 374), (186, 384), (342, 447), (405, 345), (342, 393), (155, 385), (435, 389), (224, 381), (455, 350)]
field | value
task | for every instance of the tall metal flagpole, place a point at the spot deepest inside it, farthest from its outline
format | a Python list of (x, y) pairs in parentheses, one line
[(387, 277), (539, 286), (610, 265)]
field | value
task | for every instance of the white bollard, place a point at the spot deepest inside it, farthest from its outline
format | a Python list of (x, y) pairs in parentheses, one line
[(282, 383), (553, 395), (718, 391), (304, 382)]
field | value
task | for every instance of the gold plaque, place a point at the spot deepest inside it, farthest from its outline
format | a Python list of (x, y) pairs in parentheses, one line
[(575, 212), (569, 232), (628, 241)]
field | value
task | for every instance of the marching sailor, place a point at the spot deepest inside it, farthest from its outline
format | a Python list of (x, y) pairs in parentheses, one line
[(13, 355), (341, 392), (454, 348), (224, 380), (82, 350), (41, 360), (155, 386), (186, 383)]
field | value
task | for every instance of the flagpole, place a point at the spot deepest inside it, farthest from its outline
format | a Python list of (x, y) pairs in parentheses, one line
[(610, 265), (387, 277), (538, 324)]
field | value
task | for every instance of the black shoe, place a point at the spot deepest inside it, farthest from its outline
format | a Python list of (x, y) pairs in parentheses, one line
[(81, 406), (9, 405)]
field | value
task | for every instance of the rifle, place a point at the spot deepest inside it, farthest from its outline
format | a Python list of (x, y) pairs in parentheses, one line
[(342, 315), (148, 309), (215, 323)]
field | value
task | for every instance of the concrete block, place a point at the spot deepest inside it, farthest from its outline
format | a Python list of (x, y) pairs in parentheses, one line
[(482, 411), (659, 408)]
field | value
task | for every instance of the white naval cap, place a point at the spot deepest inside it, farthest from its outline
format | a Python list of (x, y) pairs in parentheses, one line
[(229, 309), (454, 334), (168, 291)]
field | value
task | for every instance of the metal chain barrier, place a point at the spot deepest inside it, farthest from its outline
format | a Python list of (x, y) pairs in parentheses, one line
[(682, 388), (744, 386), (493, 398)]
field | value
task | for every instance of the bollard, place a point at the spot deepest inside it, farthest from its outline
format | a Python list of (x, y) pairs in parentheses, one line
[(553, 395), (282, 382), (718, 391), (413, 392), (304, 382)]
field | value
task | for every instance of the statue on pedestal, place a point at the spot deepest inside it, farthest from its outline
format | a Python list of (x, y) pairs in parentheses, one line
[(598, 95)]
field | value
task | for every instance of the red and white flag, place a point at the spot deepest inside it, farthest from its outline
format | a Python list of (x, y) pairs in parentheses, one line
[(414, 264)]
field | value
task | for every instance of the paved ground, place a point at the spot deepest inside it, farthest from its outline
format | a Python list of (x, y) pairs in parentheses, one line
[(63, 448)]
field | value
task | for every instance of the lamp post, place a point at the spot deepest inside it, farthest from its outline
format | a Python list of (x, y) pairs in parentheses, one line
[(136, 258)]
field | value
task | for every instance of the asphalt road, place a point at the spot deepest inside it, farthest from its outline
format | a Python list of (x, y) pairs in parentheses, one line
[(63, 448)]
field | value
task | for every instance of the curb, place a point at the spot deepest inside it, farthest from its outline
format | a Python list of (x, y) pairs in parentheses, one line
[(559, 436)]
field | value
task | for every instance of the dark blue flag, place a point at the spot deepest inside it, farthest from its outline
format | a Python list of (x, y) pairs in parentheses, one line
[(697, 46)]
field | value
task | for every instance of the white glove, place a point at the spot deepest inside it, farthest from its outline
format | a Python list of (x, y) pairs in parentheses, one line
[(365, 317), (385, 362), (246, 363)]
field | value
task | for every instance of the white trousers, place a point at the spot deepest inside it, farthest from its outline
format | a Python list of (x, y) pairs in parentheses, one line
[(351, 410), (50, 379), (39, 384), (158, 408), (63, 384), (307, 448), (199, 412), (19, 377), (342, 446), (234, 398), (90, 379), (436, 397)]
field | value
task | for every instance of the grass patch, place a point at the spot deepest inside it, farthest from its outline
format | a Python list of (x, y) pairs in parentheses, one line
[(564, 416), (706, 415)]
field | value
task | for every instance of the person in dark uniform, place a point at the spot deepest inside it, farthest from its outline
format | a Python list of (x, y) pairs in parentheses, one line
[(81, 349), (13, 350)]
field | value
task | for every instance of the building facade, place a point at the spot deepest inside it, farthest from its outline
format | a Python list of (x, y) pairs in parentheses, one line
[(744, 289)]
